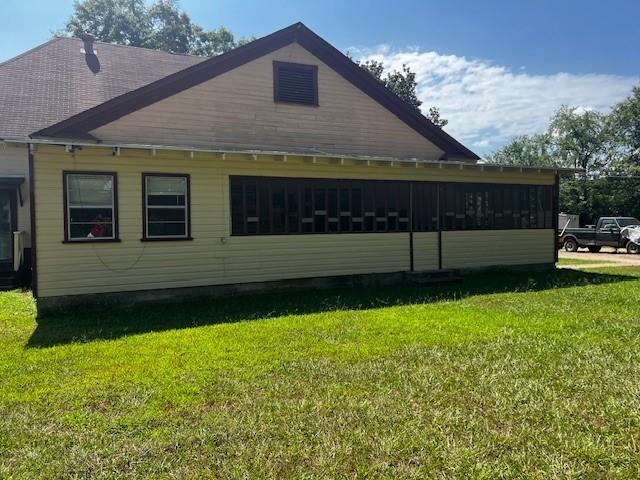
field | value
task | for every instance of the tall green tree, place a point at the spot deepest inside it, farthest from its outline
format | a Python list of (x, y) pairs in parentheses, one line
[(605, 145), (403, 83), (526, 151), (581, 139), (625, 122), (114, 21), (161, 25), (573, 139)]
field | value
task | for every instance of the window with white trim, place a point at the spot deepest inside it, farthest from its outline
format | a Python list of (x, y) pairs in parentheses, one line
[(90, 206), (166, 206)]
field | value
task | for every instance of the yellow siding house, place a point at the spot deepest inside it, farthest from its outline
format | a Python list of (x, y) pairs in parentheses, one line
[(279, 163)]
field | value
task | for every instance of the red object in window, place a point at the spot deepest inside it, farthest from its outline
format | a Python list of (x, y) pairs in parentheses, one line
[(99, 229)]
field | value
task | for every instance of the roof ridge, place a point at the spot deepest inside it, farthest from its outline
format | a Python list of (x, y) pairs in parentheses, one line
[(31, 50), (137, 47)]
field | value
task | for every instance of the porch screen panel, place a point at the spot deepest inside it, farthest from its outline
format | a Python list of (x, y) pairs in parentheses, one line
[(495, 206), (317, 206), (271, 206)]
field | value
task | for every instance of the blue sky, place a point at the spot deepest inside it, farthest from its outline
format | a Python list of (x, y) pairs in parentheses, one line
[(494, 68)]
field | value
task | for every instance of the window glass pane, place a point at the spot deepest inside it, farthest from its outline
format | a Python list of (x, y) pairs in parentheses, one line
[(92, 230), (90, 190), (167, 206), (89, 215), (166, 214), (166, 185), (89, 206), (162, 229), (166, 199), (237, 217), (166, 190), (251, 205)]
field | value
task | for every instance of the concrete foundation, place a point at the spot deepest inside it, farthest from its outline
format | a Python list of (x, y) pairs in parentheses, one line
[(49, 305)]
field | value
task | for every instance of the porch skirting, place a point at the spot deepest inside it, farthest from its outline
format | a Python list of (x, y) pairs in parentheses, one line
[(60, 304)]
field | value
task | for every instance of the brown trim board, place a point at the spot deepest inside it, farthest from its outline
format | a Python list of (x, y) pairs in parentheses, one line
[(411, 253), (439, 224), (32, 214), (555, 211), (81, 124)]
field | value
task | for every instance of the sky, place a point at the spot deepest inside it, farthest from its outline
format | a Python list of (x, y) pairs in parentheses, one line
[(494, 68)]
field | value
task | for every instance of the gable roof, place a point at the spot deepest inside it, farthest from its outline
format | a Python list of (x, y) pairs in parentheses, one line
[(79, 126), (55, 80)]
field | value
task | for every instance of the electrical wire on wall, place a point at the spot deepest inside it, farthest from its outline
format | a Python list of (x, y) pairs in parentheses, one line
[(93, 245)]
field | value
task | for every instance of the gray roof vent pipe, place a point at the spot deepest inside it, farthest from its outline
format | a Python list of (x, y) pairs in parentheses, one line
[(88, 40), (90, 55)]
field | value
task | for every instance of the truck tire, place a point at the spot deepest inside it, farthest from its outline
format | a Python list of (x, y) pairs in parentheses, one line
[(594, 248), (571, 245), (633, 248)]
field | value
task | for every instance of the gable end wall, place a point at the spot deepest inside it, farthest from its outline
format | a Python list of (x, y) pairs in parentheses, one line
[(236, 110)]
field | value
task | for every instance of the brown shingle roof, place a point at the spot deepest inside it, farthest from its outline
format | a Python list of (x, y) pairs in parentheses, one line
[(54, 81), (80, 125)]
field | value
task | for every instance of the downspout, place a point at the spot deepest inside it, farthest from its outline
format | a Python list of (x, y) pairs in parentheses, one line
[(32, 212)]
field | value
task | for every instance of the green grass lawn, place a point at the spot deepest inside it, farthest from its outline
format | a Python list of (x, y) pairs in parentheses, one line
[(579, 261), (503, 375)]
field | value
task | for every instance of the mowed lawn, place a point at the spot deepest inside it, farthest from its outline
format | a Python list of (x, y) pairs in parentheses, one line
[(503, 375), (563, 262)]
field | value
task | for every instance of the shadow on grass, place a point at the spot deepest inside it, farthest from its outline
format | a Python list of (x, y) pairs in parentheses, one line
[(86, 324)]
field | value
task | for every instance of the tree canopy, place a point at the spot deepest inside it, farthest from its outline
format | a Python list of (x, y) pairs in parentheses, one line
[(161, 25), (529, 150), (625, 124), (403, 83), (605, 145)]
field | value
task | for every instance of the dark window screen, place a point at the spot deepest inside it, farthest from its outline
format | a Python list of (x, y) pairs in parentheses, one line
[(268, 205)]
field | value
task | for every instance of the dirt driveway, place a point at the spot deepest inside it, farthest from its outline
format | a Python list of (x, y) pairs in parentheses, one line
[(606, 258)]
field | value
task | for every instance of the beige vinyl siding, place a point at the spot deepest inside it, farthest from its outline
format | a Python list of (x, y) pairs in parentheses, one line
[(214, 257), (273, 257), (486, 248), (236, 110), (425, 251), (14, 160)]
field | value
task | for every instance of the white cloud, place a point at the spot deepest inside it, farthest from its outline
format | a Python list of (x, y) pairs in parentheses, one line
[(487, 104)]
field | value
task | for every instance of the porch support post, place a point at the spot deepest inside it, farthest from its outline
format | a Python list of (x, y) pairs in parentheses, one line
[(411, 266), (556, 213), (439, 226)]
